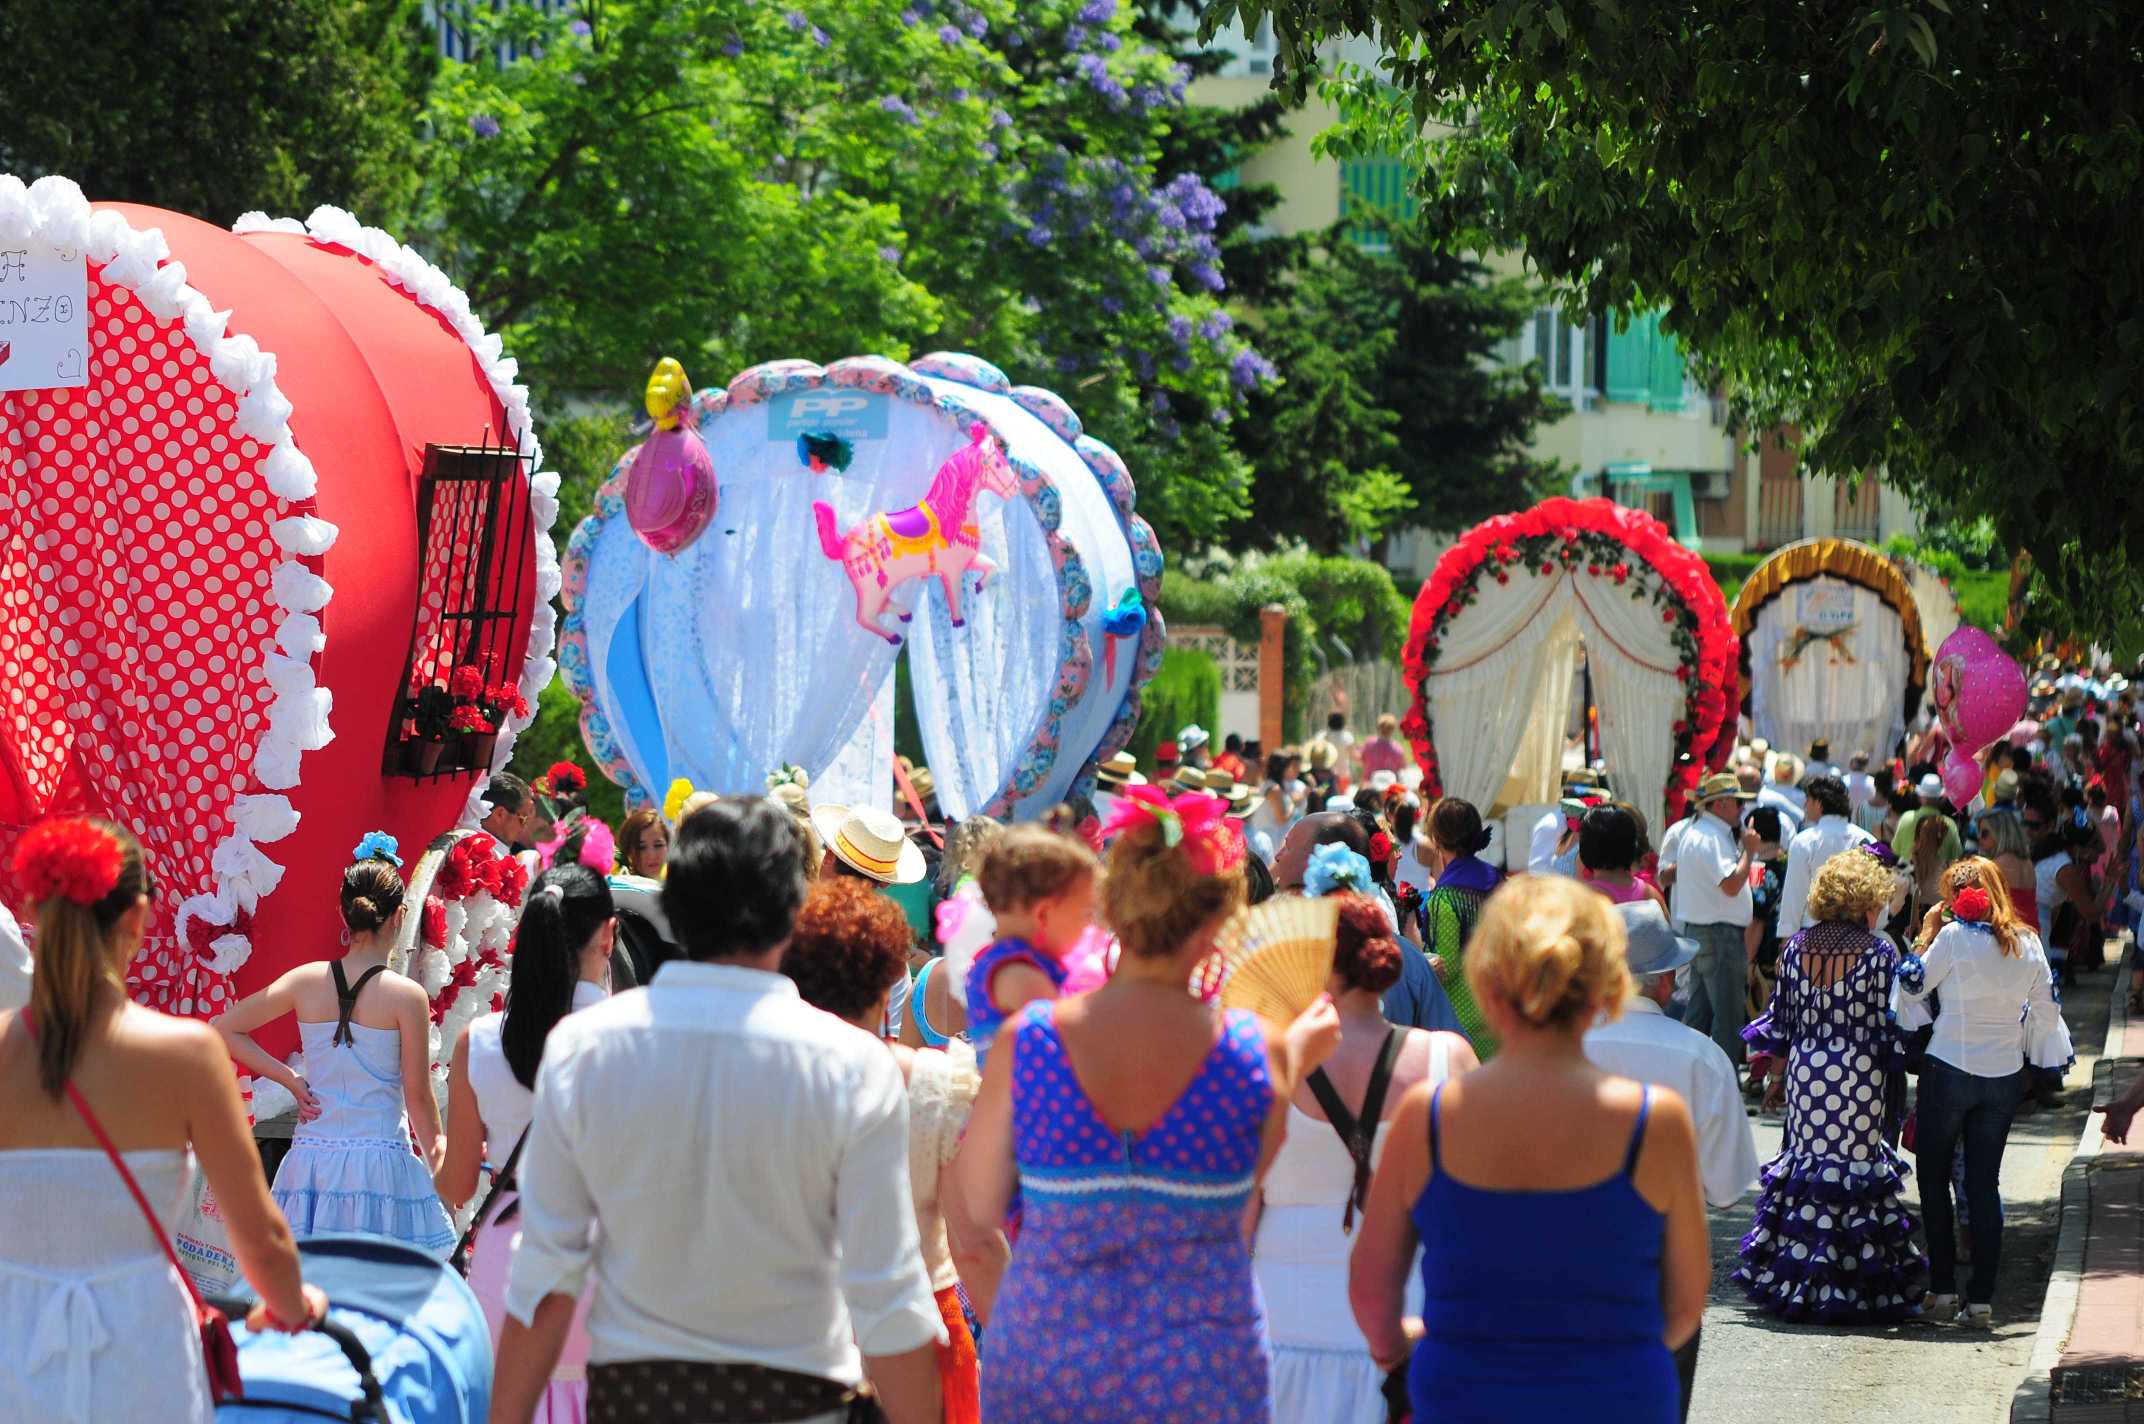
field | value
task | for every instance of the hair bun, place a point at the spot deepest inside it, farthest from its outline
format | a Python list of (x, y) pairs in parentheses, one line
[(1481, 842)]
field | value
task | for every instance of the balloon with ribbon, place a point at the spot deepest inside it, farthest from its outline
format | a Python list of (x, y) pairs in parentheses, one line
[(1977, 692), (670, 490)]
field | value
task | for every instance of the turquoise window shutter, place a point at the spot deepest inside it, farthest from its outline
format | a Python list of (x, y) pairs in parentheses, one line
[(1667, 371), (1630, 359), (1373, 185)]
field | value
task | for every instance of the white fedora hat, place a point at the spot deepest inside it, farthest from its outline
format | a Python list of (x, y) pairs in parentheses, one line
[(869, 842)]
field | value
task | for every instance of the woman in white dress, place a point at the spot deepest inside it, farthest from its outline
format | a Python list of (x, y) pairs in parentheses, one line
[(1303, 1218), (368, 1056), (561, 964), (97, 1321)]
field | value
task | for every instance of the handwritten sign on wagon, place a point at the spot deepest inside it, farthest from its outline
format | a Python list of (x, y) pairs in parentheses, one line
[(44, 317)]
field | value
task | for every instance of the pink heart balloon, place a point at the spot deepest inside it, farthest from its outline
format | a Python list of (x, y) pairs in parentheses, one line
[(1976, 690)]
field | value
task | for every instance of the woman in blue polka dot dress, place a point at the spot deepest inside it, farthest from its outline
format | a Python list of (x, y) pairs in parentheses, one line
[(1136, 1121), (1831, 1243)]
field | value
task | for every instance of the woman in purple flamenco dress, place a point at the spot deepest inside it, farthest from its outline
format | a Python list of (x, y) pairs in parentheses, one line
[(1831, 1244)]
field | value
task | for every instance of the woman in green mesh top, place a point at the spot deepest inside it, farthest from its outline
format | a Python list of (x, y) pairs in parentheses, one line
[(1453, 904)]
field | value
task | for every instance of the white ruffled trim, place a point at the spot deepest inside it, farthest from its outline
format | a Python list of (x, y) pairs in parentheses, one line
[(54, 210), (434, 290)]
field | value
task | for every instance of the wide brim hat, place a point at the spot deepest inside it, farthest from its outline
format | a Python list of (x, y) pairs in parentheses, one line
[(1722, 784), (1120, 770), (1930, 787), (1319, 753), (1187, 779), (1584, 776), (926, 785), (1193, 737), (870, 842), (1235, 793), (1653, 947)]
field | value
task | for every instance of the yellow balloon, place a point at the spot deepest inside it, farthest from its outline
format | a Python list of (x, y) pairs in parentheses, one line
[(668, 393)]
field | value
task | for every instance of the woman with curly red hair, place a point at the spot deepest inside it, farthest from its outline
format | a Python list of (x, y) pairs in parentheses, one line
[(104, 1100), (848, 953), (1998, 1014), (1303, 1218)]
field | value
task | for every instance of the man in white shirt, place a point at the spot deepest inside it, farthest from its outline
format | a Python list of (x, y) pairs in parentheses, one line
[(1819, 761), (1552, 849), (1648, 1045), (753, 1212), (1713, 906), (1829, 831)]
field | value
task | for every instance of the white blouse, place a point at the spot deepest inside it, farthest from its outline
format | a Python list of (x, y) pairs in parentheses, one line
[(1997, 1011)]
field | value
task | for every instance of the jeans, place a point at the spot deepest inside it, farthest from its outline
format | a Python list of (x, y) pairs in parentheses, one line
[(1956, 1106), (1719, 986)]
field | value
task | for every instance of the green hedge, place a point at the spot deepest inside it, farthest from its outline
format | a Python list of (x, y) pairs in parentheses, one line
[(1339, 611), (1186, 690)]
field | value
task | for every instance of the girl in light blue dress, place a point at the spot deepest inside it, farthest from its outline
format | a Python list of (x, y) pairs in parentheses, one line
[(365, 1033)]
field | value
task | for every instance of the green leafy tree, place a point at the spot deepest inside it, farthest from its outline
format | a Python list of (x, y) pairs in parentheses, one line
[(731, 182), (1395, 402), (214, 107), (1906, 228)]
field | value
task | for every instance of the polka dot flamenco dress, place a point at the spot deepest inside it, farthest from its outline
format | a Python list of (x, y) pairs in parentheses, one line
[(1831, 1243), (1130, 1297)]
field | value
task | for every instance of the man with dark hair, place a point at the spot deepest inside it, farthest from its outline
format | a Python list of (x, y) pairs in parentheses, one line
[(1827, 829), (512, 806), (765, 1220)]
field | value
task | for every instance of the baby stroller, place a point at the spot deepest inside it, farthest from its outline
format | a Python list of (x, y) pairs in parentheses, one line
[(404, 1342)]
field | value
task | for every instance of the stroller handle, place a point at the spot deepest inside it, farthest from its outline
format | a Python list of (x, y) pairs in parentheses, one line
[(372, 1409)]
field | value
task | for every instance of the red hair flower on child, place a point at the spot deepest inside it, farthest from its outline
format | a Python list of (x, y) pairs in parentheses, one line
[(1199, 823)]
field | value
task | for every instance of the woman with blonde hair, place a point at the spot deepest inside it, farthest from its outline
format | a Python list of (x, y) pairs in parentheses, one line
[(105, 1099), (1998, 1014), (1555, 1260), (1830, 1242)]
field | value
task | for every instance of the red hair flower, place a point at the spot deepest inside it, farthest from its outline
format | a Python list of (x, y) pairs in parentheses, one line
[(1197, 822), (68, 859), (1380, 848), (1971, 905), (566, 779)]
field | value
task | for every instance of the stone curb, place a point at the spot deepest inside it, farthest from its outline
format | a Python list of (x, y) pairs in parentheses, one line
[(2034, 1401)]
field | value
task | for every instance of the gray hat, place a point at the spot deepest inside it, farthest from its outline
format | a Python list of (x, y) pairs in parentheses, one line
[(1654, 948)]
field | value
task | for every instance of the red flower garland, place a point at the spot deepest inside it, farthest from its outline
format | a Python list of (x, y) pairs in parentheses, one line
[(67, 858), (1695, 598)]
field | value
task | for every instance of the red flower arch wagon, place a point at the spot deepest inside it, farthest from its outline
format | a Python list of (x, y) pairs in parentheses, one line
[(1493, 644), (268, 513)]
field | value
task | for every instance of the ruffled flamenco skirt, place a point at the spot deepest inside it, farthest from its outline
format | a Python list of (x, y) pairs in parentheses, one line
[(1831, 1243), (373, 1186)]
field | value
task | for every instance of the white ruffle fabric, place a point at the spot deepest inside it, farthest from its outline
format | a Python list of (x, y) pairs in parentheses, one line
[(1856, 701)]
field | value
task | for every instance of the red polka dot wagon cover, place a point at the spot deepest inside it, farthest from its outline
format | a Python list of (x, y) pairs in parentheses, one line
[(265, 495)]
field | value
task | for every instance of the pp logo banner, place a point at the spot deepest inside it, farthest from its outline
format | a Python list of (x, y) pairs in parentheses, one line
[(852, 415)]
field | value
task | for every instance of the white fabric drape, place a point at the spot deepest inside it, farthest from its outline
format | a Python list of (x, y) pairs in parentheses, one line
[(1633, 658), (1502, 686), (1537, 767), (1482, 692), (1854, 700)]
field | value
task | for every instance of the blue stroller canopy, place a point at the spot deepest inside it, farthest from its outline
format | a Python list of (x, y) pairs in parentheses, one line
[(419, 1329)]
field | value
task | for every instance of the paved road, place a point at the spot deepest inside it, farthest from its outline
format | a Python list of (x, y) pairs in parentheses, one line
[(1754, 1369)]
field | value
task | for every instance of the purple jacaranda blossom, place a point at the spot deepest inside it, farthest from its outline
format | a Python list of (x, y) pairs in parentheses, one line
[(796, 21), (1217, 326), (949, 34), (1168, 429), (999, 119), (1066, 365), (1098, 12), (1159, 402), (911, 19), (1159, 276), (483, 126), (1248, 369), (581, 28), (1206, 275), (819, 37), (959, 96), (890, 253), (1039, 235), (898, 107), (977, 26), (1109, 41), (988, 150), (1180, 330), (733, 46)]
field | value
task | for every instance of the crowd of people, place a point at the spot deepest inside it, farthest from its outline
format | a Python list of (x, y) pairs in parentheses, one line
[(946, 1123)]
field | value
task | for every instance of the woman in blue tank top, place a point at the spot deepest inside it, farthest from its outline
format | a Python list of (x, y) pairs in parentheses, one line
[(1558, 1208)]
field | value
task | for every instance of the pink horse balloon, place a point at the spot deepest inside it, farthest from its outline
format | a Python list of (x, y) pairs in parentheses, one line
[(933, 539)]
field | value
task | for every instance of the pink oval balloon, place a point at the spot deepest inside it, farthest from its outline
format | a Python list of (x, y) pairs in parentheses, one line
[(1976, 689), (670, 490), (1961, 777)]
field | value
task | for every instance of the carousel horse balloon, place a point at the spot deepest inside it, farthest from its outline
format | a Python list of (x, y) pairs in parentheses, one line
[(1978, 693), (933, 539), (670, 491)]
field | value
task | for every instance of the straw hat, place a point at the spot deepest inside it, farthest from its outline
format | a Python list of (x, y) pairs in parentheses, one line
[(1239, 798), (1119, 771), (926, 785), (1320, 754), (1187, 778), (869, 841), (1722, 784)]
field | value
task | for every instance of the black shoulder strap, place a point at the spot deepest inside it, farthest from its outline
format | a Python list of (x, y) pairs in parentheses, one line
[(346, 996), (1358, 1133), (501, 1180)]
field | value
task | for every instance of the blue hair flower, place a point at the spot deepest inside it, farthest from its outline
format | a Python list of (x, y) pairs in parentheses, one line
[(378, 845), (1335, 867)]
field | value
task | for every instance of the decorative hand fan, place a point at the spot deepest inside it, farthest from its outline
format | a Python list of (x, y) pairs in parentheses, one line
[(1275, 959)]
